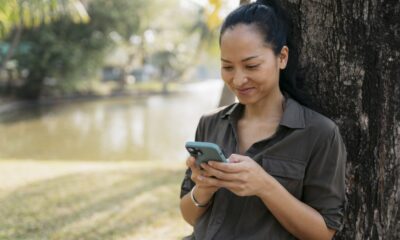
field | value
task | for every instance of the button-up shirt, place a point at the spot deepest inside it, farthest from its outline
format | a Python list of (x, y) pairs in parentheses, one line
[(306, 155)]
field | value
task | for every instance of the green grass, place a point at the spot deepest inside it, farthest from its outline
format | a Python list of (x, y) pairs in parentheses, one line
[(86, 200)]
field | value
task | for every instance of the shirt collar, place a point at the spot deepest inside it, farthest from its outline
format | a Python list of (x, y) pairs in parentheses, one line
[(293, 113)]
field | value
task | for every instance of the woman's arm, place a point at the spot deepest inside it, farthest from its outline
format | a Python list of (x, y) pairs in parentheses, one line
[(202, 193), (189, 211), (298, 218), (245, 177)]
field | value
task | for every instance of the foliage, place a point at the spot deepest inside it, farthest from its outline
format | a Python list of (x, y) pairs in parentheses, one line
[(64, 52), (55, 57), (213, 16), (32, 13)]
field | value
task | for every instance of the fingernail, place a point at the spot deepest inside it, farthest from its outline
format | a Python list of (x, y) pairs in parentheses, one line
[(200, 177)]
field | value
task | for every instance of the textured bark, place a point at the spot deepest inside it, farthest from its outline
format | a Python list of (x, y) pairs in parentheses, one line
[(349, 56)]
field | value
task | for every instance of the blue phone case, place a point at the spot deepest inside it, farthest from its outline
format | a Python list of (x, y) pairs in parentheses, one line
[(205, 151)]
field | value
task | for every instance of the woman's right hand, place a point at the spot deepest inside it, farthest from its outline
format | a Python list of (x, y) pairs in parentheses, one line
[(204, 191)]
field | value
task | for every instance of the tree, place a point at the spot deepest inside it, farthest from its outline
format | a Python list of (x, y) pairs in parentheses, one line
[(29, 13), (349, 56), (63, 52), (350, 59), (18, 14)]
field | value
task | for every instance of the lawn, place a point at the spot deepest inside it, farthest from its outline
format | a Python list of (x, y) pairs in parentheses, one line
[(90, 200)]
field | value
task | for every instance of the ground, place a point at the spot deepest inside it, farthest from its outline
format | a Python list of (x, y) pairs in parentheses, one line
[(90, 200)]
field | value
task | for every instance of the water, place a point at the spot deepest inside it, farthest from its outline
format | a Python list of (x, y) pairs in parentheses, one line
[(149, 128)]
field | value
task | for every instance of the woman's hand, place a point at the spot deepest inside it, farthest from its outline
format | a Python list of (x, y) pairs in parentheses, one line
[(242, 176), (204, 189)]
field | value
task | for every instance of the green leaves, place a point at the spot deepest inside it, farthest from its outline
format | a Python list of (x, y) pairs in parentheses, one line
[(32, 13)]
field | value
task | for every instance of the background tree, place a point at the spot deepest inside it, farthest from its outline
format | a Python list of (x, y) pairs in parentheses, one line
[(18, 14), (63, 52), (61, 57)]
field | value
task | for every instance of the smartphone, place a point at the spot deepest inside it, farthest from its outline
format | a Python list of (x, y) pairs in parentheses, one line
[(205, 151)]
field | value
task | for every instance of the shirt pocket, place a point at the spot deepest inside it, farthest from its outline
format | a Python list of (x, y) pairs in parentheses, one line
[(288, 172)]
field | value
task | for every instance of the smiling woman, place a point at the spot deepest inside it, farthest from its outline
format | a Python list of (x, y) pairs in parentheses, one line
[(249, 68), (285, 176)]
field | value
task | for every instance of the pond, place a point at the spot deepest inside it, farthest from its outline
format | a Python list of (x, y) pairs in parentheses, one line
[(148, 128)]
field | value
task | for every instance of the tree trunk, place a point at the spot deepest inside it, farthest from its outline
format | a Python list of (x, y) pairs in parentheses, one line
[(32, 89), (14, 44), (349, 56)]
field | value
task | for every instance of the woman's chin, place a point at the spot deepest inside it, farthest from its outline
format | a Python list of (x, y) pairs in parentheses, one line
[(246, 100)]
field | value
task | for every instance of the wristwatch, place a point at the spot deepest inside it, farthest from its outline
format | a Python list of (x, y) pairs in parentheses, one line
[(195, 202)]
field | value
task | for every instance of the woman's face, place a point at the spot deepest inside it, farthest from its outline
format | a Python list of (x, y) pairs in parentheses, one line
[(248, 66)]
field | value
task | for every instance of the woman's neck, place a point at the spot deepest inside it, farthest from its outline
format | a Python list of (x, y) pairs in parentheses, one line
[(269, 109)]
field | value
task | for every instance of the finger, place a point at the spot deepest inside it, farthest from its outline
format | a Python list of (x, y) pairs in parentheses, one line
[(207, 181), (233, 186), (236, 187), (218, 173), (206, 174), (235, 158), (190, 161), (226, 167)]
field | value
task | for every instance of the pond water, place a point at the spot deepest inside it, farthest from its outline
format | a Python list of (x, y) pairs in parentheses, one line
[(148, 128)]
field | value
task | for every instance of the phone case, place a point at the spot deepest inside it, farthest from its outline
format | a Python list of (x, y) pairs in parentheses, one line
[(205, 151)]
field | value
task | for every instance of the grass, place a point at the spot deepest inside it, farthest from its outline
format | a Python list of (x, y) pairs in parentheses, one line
[(90, 200)]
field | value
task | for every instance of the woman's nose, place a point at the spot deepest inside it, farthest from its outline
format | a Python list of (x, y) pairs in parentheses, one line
[(239, 78)]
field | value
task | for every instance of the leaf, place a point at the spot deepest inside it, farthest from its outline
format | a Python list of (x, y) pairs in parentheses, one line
[(32, 13)]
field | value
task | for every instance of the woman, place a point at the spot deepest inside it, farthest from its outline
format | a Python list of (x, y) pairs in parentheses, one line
[(285, 176)]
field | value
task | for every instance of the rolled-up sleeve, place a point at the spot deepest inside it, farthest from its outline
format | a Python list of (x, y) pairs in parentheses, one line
[(187, 183), (324, 182)]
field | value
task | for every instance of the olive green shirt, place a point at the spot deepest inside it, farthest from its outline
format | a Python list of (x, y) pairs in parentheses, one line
[(306, 155)]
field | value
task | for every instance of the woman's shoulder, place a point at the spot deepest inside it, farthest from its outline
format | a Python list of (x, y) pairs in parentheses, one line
[(322, 126), (300, 116)]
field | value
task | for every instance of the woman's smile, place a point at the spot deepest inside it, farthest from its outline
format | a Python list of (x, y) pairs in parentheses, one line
[(245, 91)]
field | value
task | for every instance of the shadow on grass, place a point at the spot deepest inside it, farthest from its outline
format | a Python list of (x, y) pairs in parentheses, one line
[(91, 205)]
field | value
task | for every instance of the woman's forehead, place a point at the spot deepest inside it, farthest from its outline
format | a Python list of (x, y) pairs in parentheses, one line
[(242, 41), (247, 32)]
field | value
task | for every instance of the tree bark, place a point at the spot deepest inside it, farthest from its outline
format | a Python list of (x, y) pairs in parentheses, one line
[(349, 56)]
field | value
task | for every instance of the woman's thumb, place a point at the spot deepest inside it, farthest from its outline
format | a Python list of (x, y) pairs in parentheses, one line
[(235, 158)]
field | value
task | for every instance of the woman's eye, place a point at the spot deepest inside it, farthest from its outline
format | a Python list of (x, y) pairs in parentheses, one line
[(252, 66), (227, 68)]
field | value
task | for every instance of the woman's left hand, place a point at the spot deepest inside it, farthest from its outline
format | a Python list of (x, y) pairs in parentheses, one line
[(242, 175)]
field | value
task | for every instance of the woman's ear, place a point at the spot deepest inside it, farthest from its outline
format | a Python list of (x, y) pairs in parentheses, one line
[(283, 57)]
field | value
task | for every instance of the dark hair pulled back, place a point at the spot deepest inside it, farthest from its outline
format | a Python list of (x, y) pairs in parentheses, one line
[(275, 25)]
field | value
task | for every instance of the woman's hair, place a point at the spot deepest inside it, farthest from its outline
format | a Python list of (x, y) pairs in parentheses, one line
[(276, 27)]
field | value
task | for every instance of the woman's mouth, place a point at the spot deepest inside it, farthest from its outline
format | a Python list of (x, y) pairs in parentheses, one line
[(245, 91)]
